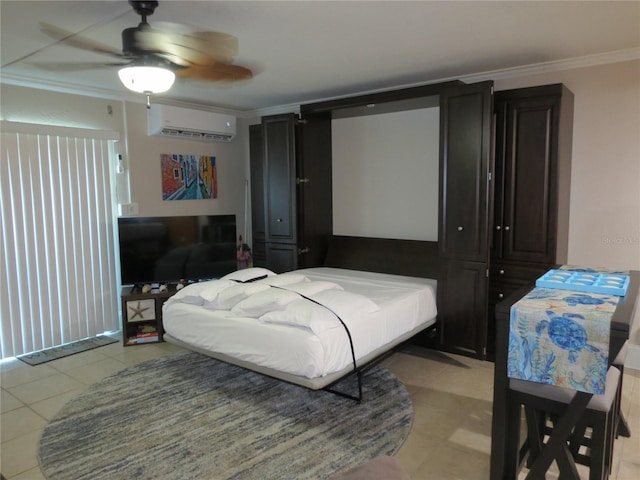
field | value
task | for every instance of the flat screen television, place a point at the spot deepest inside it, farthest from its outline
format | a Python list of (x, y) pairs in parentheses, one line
[(171, 249)]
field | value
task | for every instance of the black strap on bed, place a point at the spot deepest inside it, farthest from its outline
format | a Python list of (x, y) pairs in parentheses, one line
[(353, 353), (251, 280)]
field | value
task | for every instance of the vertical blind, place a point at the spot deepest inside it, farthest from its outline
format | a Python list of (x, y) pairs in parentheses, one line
[(58, 274)]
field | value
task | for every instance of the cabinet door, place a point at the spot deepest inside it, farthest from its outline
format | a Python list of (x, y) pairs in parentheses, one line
[(462, 308), (256, 162), (465, 152), (259, 254), (314, 192), (500, 125), (281, 257), (529, 218), (280, 177)]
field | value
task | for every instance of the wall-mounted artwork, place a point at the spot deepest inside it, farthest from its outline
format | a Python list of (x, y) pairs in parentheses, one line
[(188, 177)]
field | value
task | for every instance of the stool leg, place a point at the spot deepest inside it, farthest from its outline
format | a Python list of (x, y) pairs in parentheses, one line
[(512, 455), (578, 439), (535, 432), (615, 422), (621, 427), (599, 443), (612, 426)]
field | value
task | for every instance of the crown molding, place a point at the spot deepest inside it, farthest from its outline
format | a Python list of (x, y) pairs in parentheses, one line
[(291, 108), (61, 87), (107, 94), (512, 72), (521, 71), (556, 66)]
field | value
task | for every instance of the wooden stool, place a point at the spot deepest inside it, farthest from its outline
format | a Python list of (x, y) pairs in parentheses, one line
[(618, 362), (588, 440)]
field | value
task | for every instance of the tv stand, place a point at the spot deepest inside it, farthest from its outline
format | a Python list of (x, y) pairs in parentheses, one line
[(142, 314)]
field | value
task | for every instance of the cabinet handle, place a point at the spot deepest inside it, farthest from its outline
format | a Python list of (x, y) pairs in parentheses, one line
[(501, 272), (506, 227), (460, 228), (278, 220), (303, 250), (498, 227), (501, 295)]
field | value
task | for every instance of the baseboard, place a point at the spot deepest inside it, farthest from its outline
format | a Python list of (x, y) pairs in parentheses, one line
[(633, 357)]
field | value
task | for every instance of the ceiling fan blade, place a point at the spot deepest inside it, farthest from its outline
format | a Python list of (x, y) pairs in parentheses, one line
[(209, 37), (74, 40), (222, 46), (76, 67), (198, 48), (219, 72)]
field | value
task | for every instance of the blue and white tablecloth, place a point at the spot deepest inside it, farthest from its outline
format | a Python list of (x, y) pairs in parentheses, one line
[(560, 337)]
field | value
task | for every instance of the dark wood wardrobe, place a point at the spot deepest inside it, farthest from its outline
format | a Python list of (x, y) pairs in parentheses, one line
[(532, 181), (503, 216), (465, 159), (291, 198)]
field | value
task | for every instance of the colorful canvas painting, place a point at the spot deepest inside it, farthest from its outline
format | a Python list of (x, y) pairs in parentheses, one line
[(188, 177)]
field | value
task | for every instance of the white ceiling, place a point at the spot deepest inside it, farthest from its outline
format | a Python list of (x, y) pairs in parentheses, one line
[(307, 51)]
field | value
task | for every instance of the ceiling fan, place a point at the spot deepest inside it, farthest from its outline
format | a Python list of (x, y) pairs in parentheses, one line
[(166, 50)]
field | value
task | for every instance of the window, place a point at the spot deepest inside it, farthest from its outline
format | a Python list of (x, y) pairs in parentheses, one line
[(57, 236)]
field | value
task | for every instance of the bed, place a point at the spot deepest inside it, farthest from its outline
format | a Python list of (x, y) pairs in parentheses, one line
[(314, 326)]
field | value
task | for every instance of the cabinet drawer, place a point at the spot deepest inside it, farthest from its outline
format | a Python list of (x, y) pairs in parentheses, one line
[(517, 273), (498, 291)]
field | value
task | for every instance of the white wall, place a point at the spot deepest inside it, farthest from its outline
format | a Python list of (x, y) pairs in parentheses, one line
[(29, 105), (145, 174), (385, 175), (142, 181)]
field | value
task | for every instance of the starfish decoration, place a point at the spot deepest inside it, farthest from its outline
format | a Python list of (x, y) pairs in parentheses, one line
[(138, 311)]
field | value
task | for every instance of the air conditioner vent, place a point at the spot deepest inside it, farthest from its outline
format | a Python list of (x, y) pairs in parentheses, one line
[(189, 124)]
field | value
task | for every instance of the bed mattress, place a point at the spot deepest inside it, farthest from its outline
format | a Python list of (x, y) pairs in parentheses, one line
[(379, 310)]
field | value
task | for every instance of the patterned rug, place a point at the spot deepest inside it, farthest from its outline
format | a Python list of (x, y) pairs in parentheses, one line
[(53, 353), (188, 416)]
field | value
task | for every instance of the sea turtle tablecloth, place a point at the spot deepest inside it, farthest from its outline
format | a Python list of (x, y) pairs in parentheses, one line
[(561, 337)]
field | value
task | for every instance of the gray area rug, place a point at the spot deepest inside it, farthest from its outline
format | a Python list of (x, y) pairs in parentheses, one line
[(188, 416), (53, 353)]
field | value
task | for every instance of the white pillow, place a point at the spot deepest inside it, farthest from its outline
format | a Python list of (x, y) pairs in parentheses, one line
[(309, 289), (303, 313), (345, 303), (283, 279), (248, 274), (214, 288), (263, 302), (230, 296), (191, 293)]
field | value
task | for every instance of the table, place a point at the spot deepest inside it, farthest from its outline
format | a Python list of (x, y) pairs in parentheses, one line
[(561, 337), (620, 327)]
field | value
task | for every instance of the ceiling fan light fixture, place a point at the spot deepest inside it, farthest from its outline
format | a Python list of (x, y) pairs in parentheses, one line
[(146, 79)]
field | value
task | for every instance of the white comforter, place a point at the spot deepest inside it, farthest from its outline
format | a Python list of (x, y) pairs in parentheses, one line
[(268, 322)]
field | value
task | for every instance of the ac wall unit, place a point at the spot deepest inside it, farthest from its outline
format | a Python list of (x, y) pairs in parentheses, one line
[(177, 122)]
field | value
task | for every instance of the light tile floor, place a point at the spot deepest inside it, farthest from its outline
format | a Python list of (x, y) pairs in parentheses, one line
[(451, 435), (450, 438)]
